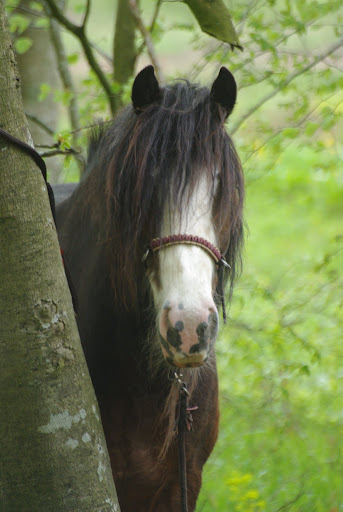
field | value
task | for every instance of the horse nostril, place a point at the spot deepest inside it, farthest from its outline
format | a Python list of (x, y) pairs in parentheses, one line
[(173, 336), (202, 329)]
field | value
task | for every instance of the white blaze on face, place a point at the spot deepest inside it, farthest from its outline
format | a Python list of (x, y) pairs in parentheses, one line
[(187, 315)]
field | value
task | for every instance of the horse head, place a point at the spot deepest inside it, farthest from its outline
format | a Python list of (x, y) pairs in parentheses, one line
[(200, 214)]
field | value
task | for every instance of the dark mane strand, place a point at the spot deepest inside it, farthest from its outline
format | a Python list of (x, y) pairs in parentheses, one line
[(144, 159)]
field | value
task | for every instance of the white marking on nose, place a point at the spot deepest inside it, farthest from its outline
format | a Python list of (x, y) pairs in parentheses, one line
[(186, 276)]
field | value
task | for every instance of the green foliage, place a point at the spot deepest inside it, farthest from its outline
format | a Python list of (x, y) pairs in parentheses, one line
[(23, 44), (280, 359), (19, 22), (45, 89), (242, 496)]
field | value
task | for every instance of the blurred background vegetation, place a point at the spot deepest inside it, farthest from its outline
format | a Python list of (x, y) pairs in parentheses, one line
[(280, 358)]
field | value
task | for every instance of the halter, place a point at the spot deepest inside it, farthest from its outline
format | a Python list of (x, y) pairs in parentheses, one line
[(157, 244)]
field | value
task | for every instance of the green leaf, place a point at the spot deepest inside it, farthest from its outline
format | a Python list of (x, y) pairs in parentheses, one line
[(79, 8), (311, 128), (73, 58), (329, 122), (44, 91), (23, 44), (36, 6), (304, 370), (215, 20), (291, 133), (42, 23), (116, 87), (67, 161), (13, 5), (63, 96), (18, 23)]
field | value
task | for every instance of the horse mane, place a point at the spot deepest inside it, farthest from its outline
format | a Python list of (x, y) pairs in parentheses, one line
[(145, 158)]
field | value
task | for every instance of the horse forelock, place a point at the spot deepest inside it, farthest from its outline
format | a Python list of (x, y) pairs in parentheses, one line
[(146, 159)]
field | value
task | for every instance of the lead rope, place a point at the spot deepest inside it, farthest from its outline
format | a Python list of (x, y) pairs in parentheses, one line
[(183, 424), (41, 164)]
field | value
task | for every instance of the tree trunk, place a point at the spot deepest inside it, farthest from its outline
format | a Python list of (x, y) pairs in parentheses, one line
[(124, 50), (53, 452)]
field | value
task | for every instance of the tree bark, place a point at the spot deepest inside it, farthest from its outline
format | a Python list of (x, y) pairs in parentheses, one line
[(124, 50), (53, 452)]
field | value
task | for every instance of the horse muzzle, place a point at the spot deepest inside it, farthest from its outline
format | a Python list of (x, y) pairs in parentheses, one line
[(187, 334)]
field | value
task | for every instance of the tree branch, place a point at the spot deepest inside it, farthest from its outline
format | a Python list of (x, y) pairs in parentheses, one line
[(102, 52), (40, 123), (67, 81), (276, 45), (154, 16), (285, 83), (79, 32), (64, 152), (88, 8), (152, 25), (295, 125), (211, 53), (147, 38)]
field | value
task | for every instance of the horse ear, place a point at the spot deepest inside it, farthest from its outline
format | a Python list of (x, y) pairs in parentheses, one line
[(224, 90), (145, 89)]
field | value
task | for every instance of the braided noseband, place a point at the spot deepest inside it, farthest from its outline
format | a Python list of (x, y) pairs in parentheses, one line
[(159, 243)]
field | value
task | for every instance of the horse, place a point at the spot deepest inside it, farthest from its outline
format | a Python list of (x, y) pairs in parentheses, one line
[(151, 236)]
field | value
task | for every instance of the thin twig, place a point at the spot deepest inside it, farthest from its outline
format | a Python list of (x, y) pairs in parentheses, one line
[(295, 125), (64, 152), (88, 8), (284, 84), (199, 67), (152, 25), (291, 502), (246, 15), (40, 123), (285, 37), (147, 38), (27, 10), (154, 16), (67, 82), (102, 52), (79, 32), (94, 125)]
